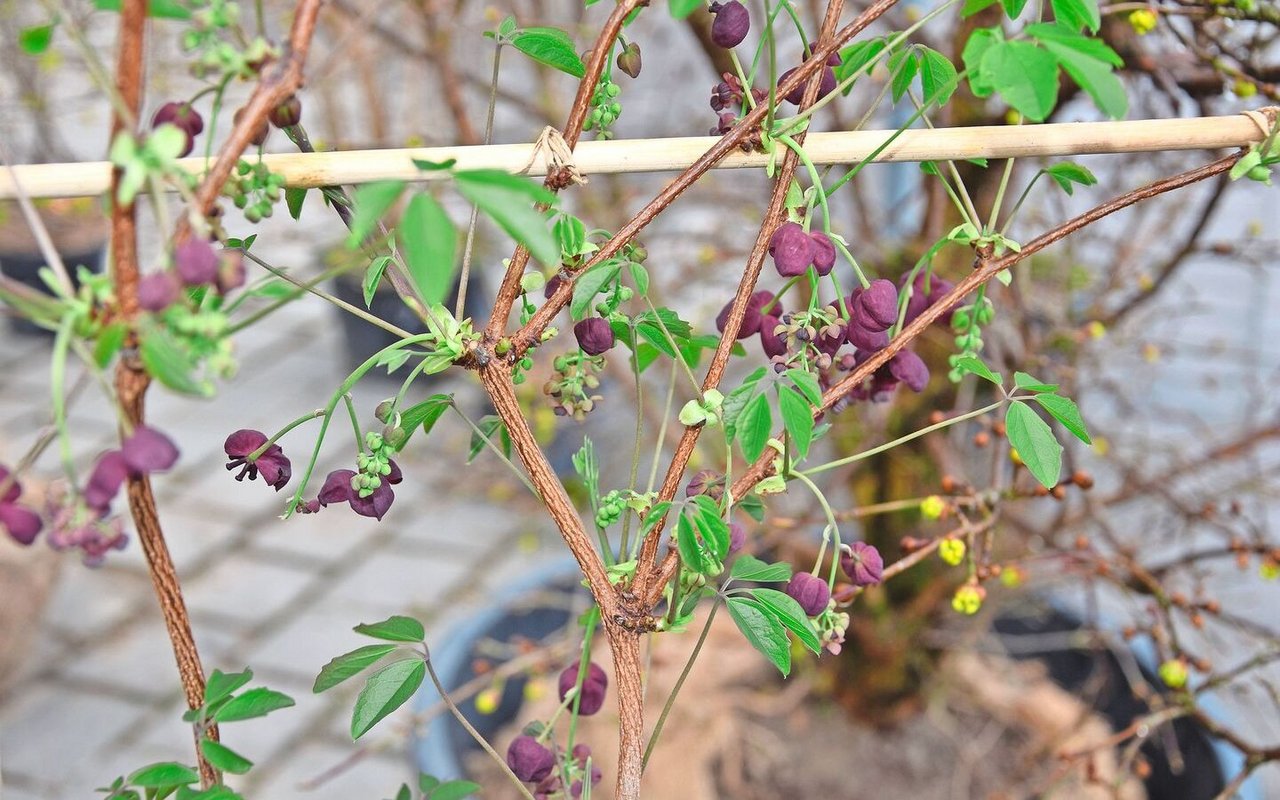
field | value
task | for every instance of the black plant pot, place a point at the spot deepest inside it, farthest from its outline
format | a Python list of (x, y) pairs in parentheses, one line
[(24, 267), (364, 339)]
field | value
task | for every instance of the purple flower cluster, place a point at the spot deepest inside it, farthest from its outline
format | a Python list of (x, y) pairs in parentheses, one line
[(727, 97), (338, 488), (594, 687), (196, 264), (533, 762), (794, 251)]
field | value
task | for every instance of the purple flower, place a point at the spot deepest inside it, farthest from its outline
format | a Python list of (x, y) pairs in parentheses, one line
[(909, 368), (708, 482), (792, 250), (158, 291), (752, 317), (825, 87), (810, 591), (185, 118), (774, 345), (231, 274), (148, 450), (273, 465), (375, 505), (337, 489), (833, 60), (594, 335), (731, 24), (287, 114), (824, 253), (921, 299), (529, 760), (863, 564), (594, 687), (197, 262), (104, 483), (877, 305), (864, 339), (21, 522)]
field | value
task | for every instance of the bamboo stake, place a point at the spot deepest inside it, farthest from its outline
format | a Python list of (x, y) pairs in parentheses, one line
[(310, 170)]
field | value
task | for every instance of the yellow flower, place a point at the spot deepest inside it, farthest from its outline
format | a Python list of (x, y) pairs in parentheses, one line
[(952, 551), (1096, 330), (932, 507), (968, 599), (1011, 576), (1174, 673), (487, 700)]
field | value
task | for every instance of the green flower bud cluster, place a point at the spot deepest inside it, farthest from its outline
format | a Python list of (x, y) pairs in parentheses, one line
[(373, 465), (255, 189), (605, 109), (967, 322), (612, 506), (217, 41), (576, 375)]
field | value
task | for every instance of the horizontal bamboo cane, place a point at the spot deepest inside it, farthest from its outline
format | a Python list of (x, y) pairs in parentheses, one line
[(309, 170)]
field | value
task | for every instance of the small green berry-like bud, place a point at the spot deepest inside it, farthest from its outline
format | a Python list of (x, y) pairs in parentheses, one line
[(1174, 673), (384, 411)]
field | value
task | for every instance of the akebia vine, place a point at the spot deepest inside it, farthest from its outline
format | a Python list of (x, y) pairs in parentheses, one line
[(818, 338)]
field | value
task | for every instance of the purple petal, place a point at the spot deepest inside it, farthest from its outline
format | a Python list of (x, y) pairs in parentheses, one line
[(15, 489), (197, 262), (22, 523), (243, 442), (105, 481), (148, 450), (337, 487), (909, 368)]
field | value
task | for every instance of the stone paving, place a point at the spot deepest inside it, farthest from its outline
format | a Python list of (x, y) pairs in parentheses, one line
[(98, 695)]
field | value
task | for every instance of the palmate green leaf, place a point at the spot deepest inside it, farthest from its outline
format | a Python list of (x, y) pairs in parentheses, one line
[(747, 567), (163, 776), (386, 690), (763, 631), (252, 704), (1025, 75), (790, 614), (220, 684), (371, 201), (394, 629), (1064, 410), (754, 425), (349, 664), (1035, 443), (293, 199), (1095, 77), (1090, 46), (224, 758), (430, 245), (711, 526), (550, 46), (589, 285), (857, 56), (797, 418), (1067, 173), (692, 552), (737, 401), (1077, 14), (508, 200), (424, 415), (903, 66), (807, 383)]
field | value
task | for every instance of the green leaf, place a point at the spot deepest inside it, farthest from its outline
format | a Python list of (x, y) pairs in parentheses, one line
[(980, 41), (763, 631), (1064, 410), (428, 782), (425, 414), (294, 198), (975, 367), (1066, 173), (654, 514), (639, 277), (903, 66), (1025, 76), (747, 567), (430, 244), (394, 629), (110, 340), (1034, 442), (589, 285), (550, 46), (163, 776), (937, 76), (1024, 381), (683, 8), (371, 201), (754, 426), (807, 383), (692, 553), (508, 200), (386, 690), (404, 793), (224, 758), (161, 9), (711, 526), (373, 277), (797, 418), (972, 7), (453, 790), (168, 362), (790, 614), (1095, 77), (1077, 14), (1089, 46), (737, 401), (220, 684), (252, 704), (349, 664), (490, 426), (35, 40), (753, 505), (434, 166)]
